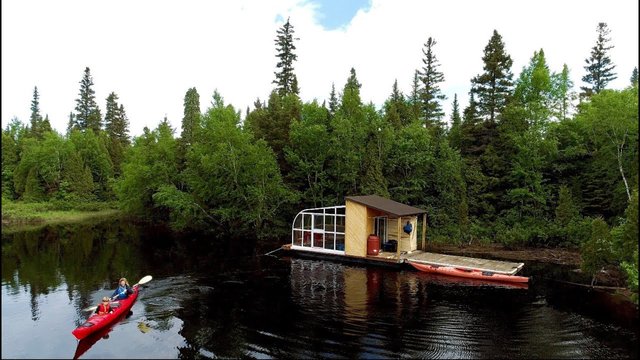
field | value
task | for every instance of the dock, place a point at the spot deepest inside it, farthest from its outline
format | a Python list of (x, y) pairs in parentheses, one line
[(463, 262)]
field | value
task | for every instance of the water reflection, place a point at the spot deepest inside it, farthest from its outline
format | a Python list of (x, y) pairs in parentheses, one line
[(80, 256), (211, 298)]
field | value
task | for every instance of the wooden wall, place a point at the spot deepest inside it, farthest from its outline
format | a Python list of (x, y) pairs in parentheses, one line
[(407, 242), (357, 229)]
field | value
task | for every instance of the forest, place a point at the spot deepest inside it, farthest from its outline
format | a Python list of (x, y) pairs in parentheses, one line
[(530, 162)]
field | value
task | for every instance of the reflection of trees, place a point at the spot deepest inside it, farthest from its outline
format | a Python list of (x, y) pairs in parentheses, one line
[(80, 255)]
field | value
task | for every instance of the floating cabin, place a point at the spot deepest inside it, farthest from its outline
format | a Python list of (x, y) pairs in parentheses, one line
[(371, 229)]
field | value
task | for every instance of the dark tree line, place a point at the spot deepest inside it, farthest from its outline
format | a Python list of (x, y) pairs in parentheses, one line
[(521, 164)]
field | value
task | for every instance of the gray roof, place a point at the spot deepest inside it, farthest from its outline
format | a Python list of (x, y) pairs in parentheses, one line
[(385, 205)]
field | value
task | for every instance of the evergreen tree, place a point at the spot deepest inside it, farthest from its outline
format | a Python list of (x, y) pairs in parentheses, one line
[(494, 86), (45, 126), (455, 131), (414, 99), (333, 101), (36, 118), (395, 108), (116, 127), (286, 81), (87, 112), (634, 77), (599, 66), (72, 124), (430, 94), (191, 118)]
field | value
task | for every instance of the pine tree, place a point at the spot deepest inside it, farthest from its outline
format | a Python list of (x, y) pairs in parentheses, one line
[(191, 118), (36, 118), (87, 112), (395, 108), (634, 77), (414, 99), (599, 66), (333, 101), (494, 86), (430, 94), (454, 132), (72, 124), (45, 126), (286, 81), (116, 128)]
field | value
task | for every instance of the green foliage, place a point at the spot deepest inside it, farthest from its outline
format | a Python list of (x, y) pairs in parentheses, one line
[(191, 119), (598, 250), (93, 151), (232, 178), (430, 94), (494, 86), (599, 65), (87, 112), (308, 155), (286, 81), (150, 164), (631, 270)]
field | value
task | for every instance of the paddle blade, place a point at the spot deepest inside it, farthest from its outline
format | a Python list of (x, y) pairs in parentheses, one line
[(145, 280), (92, 308)]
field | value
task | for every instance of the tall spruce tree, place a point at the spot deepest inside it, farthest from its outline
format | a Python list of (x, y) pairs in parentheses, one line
[(286, 81), (35, 118), (494, 86), (430, 94), (454, 131), (333, 101), (191, 118), (87, 112), (599, 65), (634, 77), (414, 98), (116, 127)]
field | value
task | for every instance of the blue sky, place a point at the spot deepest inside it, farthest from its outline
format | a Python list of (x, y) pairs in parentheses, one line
[(333, 14)]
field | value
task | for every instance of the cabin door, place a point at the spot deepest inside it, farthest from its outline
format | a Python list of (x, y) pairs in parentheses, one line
[(380, 228)]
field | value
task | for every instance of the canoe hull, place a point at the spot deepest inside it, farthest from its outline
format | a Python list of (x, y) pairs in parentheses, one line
[(469, 274), (98, 322)]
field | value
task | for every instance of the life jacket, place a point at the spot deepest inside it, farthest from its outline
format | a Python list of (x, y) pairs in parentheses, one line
[(102, 308), (408, 228)]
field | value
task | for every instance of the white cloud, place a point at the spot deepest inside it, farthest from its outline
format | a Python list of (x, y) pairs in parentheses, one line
[(151, 52)]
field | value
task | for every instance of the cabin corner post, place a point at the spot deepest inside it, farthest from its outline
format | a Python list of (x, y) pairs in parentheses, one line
[(424, 231), (399, 245)]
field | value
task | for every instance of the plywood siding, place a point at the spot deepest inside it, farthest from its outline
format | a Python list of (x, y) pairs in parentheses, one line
[(407, 242), (356, 229)]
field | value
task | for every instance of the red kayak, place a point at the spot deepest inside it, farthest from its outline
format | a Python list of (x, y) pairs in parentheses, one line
[(470, 274), (97, 322)]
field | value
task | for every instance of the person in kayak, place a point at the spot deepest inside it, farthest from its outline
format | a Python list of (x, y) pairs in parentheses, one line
[(123, 291), (104, 307)]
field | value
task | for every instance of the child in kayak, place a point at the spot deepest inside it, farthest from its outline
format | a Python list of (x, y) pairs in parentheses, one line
[(104, 307), (123, 291)]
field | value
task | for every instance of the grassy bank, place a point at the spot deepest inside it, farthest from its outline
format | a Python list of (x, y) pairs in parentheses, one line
[(19, 215)]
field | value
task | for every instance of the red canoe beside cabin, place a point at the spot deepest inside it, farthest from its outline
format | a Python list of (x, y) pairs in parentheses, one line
[(470, 274), (97, 322)]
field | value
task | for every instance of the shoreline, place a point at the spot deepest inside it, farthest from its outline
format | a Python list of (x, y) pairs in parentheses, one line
[(11, 222)]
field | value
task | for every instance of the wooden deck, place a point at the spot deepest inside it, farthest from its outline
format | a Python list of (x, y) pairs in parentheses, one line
[(463, 262)]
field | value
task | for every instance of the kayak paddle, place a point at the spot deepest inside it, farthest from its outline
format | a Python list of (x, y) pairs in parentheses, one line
[(142, 281)]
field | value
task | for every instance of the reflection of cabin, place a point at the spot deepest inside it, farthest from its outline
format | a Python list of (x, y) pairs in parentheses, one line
[(345, 230)]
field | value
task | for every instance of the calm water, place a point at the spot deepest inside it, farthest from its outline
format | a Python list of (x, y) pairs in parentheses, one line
[(211, 298)]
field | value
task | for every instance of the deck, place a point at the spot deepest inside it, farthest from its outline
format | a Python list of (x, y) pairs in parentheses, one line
[(463, 262), (391, 258)]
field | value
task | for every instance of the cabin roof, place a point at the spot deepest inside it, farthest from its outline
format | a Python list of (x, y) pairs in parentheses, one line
[(386, 205)]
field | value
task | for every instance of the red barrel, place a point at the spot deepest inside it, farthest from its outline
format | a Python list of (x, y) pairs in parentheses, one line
[(373, 245)]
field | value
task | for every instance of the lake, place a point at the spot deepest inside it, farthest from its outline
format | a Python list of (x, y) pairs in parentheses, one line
[(213, 298)]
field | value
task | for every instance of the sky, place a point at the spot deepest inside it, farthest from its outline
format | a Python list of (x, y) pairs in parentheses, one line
[(150, 52)]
